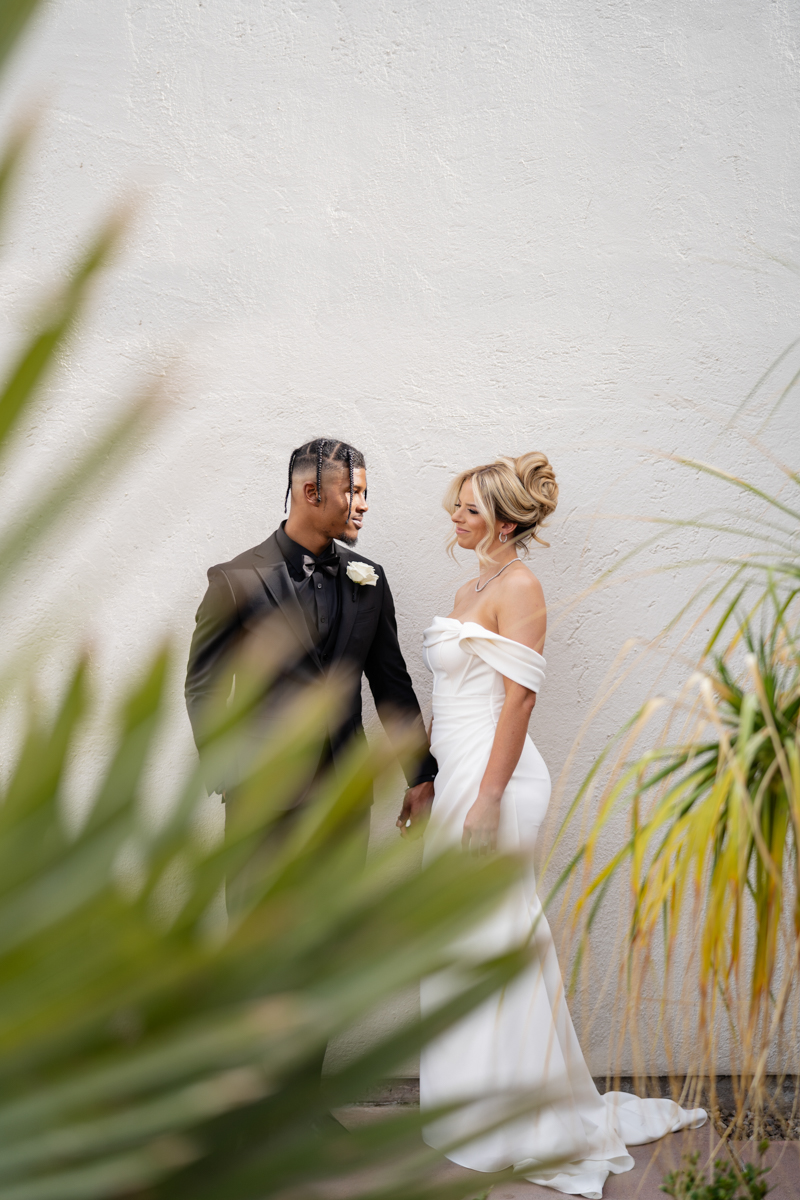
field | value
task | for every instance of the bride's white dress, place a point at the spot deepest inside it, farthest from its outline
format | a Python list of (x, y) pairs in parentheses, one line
[(523, 1038)]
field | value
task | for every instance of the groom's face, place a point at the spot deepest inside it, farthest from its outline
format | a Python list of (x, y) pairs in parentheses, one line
[(357, 507), (338, 515)]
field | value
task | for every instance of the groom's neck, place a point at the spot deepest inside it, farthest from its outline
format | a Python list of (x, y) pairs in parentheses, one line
[(303, 532)]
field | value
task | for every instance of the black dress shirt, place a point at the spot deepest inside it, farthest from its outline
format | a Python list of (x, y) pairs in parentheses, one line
[(317, 589)]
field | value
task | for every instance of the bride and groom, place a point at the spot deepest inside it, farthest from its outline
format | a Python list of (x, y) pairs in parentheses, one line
[(482, 785)]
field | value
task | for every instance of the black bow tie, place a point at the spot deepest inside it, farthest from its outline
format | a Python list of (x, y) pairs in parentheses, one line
[(329, 563)]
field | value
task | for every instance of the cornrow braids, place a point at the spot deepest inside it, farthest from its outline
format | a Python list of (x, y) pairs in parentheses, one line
[(352, 482), (319, 471), (289, 485), (323, 454)]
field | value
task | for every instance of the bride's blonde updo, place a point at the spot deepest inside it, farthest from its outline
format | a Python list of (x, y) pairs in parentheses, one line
[(523, 490)]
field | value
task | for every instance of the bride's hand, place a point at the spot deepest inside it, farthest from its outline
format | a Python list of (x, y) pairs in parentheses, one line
[(481, 825)]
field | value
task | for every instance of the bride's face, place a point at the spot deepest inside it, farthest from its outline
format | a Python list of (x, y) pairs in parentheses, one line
[(470, 525)]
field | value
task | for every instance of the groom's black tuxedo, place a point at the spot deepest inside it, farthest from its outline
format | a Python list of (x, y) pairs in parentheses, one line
[(256, 587)]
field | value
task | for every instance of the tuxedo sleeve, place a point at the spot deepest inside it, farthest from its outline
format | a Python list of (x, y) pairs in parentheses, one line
[(209, 675), (390, 682)]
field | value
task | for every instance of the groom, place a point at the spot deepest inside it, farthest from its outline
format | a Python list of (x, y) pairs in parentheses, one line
[(322, 603)]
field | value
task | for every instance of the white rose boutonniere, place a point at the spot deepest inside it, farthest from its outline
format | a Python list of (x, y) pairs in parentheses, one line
[(362, 573)]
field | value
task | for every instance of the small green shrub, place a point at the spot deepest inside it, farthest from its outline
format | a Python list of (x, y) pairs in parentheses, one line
[(726, 1182)]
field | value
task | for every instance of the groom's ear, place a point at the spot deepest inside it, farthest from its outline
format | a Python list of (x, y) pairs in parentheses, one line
[(309, 491)]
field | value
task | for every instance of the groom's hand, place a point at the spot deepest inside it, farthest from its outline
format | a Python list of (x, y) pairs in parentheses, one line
[(416, 810)]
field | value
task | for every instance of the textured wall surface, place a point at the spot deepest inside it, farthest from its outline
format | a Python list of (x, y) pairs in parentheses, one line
[(441, 231)]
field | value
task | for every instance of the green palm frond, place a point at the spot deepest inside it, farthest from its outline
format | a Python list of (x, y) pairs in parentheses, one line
[(14, 16), (125, 1019)]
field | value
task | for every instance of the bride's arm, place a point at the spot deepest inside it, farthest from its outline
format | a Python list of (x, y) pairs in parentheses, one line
[(521, 615)]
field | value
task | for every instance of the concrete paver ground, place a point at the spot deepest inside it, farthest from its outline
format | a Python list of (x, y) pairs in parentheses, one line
[(643, 1182)]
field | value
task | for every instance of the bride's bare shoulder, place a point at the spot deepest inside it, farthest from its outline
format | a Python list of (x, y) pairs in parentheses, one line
[(520, 585), (521, 609)]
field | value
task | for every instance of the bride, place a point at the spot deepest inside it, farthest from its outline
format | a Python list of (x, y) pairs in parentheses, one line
[(492, 791)]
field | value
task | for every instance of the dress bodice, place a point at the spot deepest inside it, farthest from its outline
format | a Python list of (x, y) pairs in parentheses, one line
[(467, 659)]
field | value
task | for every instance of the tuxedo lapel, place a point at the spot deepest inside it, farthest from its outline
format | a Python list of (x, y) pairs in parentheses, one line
[(275, 577), (349, 597)]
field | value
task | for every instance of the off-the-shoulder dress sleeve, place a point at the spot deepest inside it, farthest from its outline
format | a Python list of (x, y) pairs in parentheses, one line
[(510, 658)]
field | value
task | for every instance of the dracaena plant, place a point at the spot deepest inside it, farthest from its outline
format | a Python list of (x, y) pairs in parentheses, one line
[(713, 824), (708, 789)]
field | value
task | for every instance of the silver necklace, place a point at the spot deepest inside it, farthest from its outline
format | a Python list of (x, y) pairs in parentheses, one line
[(480, 586)]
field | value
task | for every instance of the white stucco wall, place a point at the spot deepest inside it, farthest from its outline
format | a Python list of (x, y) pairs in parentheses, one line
[(440, 231)]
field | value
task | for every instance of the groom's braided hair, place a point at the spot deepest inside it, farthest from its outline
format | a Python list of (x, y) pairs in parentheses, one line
[(323, 454)]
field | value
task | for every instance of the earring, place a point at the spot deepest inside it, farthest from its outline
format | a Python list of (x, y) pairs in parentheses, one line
[(503, 537)]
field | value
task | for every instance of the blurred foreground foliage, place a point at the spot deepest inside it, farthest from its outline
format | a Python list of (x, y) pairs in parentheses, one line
[(148, 1041), (151, 1045)]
